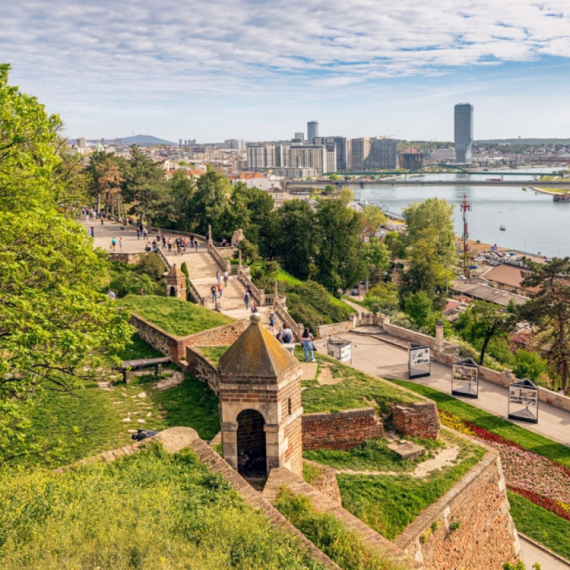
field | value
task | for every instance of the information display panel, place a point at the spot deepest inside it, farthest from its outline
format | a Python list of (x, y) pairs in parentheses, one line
[(340, 349), (419, 361), (465, 378), (523, 401)]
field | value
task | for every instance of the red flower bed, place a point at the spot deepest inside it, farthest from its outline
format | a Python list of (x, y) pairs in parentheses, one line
[(542, 501), (488, 436)]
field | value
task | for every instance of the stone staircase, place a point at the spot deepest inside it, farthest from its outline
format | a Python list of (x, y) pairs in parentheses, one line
[(202, 268)]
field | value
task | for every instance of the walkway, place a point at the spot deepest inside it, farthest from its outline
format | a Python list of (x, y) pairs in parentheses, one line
[(379, 358)]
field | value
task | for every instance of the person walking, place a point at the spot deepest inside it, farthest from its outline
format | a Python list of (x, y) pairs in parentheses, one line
[(120, 244), (213, 289), (138, 233), (220, 291), (163, 242), (285, 335), (169, 244), (218, 277), (92, 232), (307, 342), (246, 299), (196, 245), (178, 246), (226, 278), (113, 244), (271, 320)]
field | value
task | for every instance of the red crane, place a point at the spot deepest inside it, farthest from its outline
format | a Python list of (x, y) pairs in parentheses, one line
[(465, 207)]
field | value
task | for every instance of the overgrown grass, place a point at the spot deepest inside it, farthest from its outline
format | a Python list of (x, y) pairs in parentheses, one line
[(214, 353), (525, 438), (150, 510), (343, 546), (311, 473), (372, 455), (285, 277), (138, 348), (175, 316), (541, 525), (388, 504), (356, 390)]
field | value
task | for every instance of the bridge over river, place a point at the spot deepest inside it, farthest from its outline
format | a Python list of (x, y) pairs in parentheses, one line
[(292, 184)]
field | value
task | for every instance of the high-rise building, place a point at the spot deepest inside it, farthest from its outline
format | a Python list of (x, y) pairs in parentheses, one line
[(260, 157), (236, 144), (312, 131), (383, 154), (463, 132), (360, 152), (411, 158), (309, 156), (342, 148), (300, 136), (81, 143), (179, 142)]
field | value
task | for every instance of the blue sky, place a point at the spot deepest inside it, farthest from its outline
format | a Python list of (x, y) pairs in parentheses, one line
[(259, 70)]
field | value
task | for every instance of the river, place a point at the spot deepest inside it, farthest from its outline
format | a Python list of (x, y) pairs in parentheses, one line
[(534, 222)]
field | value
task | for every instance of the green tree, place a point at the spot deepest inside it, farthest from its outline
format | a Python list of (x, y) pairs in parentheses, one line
[(346, 196), (528, 365), (396, 243), (377, 258), (338, 261), (483, 321), (144, 184), (333, 177), (209, 202), (373, 218), (295, 238), (419, 307), (549, 309)]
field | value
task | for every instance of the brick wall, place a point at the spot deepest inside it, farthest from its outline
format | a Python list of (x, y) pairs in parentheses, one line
[(340, 430), (219, 336), (469, 527), (199, 366), (417, 419)]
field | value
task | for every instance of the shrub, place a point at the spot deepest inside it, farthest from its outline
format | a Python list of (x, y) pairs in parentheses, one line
[(150, 264), (528, 365), (128, 283)]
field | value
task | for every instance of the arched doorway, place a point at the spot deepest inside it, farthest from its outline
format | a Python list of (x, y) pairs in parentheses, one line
[(172, 292), (252, 454)]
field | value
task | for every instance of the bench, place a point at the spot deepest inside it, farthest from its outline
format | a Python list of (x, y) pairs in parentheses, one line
[(141, 363), (289, 346)]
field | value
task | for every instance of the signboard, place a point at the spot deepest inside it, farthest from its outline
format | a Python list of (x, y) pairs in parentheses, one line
[(465, 378), (523, 401), (340, 349), (419, 362)]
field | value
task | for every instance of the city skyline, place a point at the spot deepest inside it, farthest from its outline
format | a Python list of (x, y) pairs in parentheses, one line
[(251, 71)]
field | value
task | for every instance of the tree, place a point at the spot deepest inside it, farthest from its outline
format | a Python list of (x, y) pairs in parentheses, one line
[(338, 261), (182, 190), (419, 307), (373, 218), (209, 201), (484, 321), (377, 258), (396, 243), (295, 238), (528, 365), (346, 196), (144, 184), (549, 309)]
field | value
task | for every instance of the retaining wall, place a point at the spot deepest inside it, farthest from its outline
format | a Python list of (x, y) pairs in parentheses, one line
[(125, 257), (469, 527), (416, 419), (200, 366), (340, 430)]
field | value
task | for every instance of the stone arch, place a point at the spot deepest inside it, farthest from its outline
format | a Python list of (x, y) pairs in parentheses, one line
[(172, 291), (251, 444)]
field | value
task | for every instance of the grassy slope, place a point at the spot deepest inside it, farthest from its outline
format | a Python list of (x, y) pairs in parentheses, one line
[(151, 510), (174, 315), (541, 525), (214, 353), (356, 390), (525, 438), (390, 503)]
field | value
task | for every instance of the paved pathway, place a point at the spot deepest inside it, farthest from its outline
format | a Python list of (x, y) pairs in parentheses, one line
[(533, 553), (379, 358)]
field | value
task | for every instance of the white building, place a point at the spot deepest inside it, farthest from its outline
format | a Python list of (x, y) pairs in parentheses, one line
[(310, 156)]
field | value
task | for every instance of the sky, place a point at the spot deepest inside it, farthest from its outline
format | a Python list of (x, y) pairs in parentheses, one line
[(260, 69)]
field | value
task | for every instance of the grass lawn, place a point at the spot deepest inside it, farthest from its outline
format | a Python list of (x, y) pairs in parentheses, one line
[(174, 315), (356, 390), (525, 438), (388, 504), (150, 510), (541, 525), (139, 349), (214, 353), (372, 455)]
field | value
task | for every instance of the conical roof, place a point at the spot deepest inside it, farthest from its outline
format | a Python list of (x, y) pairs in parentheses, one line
[(175, 272), (256, 354)]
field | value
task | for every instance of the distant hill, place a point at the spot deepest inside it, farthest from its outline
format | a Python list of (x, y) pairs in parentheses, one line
[(525, 141), (144, 140)]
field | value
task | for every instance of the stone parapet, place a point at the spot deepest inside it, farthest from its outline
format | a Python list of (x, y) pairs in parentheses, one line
[(202, 368), (416, 419), (340, 430)]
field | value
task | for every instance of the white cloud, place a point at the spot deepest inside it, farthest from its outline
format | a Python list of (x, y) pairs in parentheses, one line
[(121, 53)]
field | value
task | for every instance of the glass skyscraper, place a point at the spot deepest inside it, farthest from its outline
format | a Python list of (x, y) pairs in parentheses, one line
[(463, 132)]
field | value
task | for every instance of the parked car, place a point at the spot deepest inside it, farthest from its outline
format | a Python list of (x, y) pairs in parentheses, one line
[(355, 292)]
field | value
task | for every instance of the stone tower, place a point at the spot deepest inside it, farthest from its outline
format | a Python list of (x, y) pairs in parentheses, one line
[(175, 283), (260, 404)]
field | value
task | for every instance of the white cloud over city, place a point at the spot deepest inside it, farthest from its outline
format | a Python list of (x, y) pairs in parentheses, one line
[(108, 54)]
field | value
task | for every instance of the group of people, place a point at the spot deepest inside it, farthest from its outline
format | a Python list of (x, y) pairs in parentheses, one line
[(217, 289), (179, 244), (113, 246)]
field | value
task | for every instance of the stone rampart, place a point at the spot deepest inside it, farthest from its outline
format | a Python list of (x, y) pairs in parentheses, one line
[(325, 331), (416, 419), (125, 257), (326, 482), (340, 430), (224, 335), (469, 527), (200, 366)]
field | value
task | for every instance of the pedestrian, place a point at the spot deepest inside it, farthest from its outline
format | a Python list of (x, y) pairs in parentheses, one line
[(120, 244), (145, 233), (92, 232), (154, 248), (191, 240), (147, 248), (246, 299), (178, 246), (163, 242), (220, 291), (254, 308), (218, 277), (248, 287), (169, 244), (226, 278), (111, 295), (196, 245), (285, 335), (271, 320), (102, 221), (307, 341), (214, 293), (138, 233), (113, 244)]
